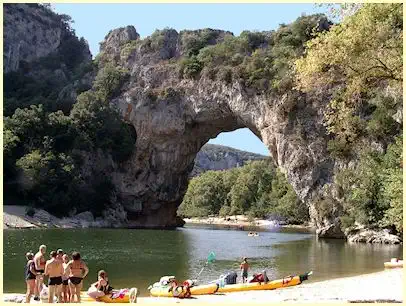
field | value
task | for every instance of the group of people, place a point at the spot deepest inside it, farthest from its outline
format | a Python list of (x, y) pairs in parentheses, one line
[(65, 277)]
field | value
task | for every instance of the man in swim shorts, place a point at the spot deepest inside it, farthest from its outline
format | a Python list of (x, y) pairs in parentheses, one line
[(54, 269), (39, 262), (244, 269)]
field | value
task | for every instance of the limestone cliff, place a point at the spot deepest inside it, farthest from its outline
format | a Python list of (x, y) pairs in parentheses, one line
[(174, 118), (31, 32), (217, 157)]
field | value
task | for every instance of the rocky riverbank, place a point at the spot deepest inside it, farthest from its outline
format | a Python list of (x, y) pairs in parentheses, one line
[(16, 217), (385, 286)]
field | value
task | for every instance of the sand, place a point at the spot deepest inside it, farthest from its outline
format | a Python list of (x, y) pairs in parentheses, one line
[(385, 286)]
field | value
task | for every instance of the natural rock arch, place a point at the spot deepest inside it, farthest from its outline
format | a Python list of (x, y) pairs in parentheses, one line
[(174, 118)]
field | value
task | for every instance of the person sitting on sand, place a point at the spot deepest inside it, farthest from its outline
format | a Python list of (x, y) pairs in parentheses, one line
[(54, 270), (77, 270), (101, 287), (39, 261), (30, 276), (244, 269), (65, 277)]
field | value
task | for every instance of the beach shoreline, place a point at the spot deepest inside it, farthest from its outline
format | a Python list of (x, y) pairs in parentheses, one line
[(244, 221), (384, 286)]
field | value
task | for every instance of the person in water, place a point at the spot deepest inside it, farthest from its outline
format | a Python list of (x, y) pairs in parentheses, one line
[(39, 262), (101, 287), (54, 270), (30, 276), (65, 277), (77, 270), (244, 269)]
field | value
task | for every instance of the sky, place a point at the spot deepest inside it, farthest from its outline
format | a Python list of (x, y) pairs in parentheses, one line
[(94, 21)]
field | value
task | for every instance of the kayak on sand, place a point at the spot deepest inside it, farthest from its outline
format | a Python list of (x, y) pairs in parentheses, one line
[(271, 285), (181, 291), (168, 287), (394, 263)]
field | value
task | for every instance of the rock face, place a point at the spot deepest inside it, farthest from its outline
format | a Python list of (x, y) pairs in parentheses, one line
[(373, 236), (174, 124), (216, 157), (28, 35), (174, 117), (31, 31)]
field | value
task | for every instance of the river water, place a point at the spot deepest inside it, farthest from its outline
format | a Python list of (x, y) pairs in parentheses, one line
[(138, 258)]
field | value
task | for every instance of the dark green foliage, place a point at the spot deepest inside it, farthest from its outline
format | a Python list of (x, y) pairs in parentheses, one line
[(255, 190), (108, 81), (193, 41), (190, 67), (373, 190), (260, 60), (44, 147), (30, 211)]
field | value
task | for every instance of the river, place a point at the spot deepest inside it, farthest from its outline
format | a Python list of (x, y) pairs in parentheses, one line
[(138, 258)]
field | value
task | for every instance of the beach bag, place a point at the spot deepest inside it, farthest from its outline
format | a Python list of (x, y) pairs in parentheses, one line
[(230, 278)]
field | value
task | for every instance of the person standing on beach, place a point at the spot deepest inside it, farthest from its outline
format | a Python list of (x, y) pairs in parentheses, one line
[(65, 278), (30, 276), (244, 269), (39, 262), (54, 270), (77, 270), (59, 255)]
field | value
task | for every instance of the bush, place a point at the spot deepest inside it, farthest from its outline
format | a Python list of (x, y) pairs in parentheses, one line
[(30, 211)]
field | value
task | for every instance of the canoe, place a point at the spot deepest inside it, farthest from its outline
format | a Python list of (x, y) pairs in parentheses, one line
[(253, 234), (129, 297), (194, 290), (391, 265), (271, 285)]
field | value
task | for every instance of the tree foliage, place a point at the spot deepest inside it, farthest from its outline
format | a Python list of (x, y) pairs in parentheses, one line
[(256, 190)]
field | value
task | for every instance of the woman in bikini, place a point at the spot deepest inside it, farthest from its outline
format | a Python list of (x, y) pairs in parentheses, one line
[(65, 278), (101, 287), (77, 270), (30, 276)]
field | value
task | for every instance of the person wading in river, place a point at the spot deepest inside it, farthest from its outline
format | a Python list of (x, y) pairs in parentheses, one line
[(54, 270), (77, 270), (244, 269), (39, 261), (30, 276)]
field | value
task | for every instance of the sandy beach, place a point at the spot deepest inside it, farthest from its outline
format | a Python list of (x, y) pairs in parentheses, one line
[(384, 286), (242, 221)]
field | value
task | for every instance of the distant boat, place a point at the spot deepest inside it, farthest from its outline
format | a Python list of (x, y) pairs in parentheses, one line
[(251, 234), (394, 263)]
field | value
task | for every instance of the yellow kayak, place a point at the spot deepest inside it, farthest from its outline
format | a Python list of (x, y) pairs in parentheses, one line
[(129, 297), (280, 283), (180, 291)]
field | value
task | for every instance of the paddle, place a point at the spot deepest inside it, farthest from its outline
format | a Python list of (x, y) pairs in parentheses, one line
[(210, 259)]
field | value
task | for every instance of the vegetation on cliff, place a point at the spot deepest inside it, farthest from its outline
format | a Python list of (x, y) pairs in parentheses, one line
[(45, 148), (257, 189), (359, 61)]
